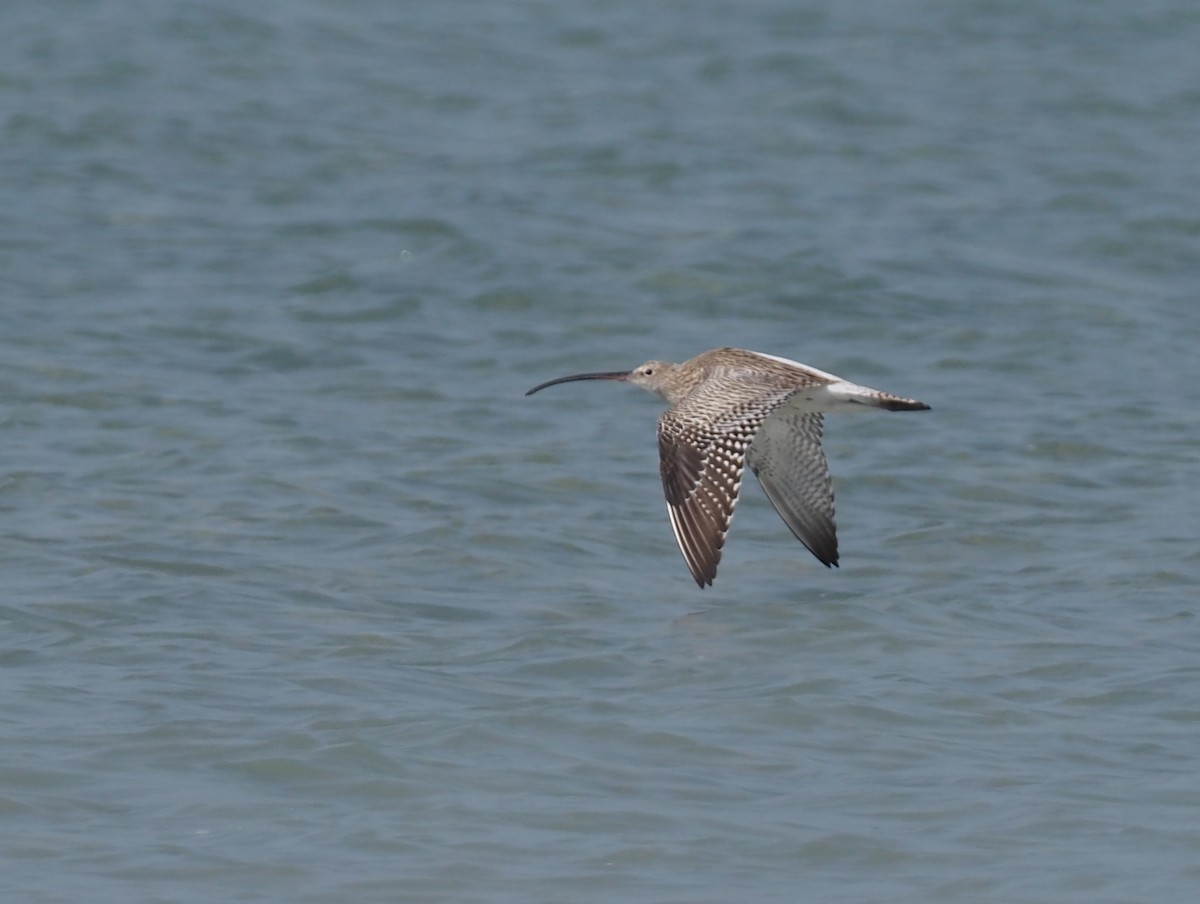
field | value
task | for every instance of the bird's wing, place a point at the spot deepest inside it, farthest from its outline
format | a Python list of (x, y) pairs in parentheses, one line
[(787, 458), (701, 460)]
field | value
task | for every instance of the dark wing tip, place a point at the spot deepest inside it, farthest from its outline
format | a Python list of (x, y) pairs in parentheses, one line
[(903, 405), (700, 547), (823, 549)]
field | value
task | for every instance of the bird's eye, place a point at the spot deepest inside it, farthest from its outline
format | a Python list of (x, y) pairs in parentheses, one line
[(647, 371)]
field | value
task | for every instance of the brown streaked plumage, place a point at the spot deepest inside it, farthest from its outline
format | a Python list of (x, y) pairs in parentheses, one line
[(730, 408)]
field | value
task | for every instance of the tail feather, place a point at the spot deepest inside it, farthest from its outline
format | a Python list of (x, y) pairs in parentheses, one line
[(895, 403)]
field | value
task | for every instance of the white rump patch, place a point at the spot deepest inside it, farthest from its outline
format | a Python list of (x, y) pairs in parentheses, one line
[(840, 396)]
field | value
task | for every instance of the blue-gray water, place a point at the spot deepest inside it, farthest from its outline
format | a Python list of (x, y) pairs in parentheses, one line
[(302, 599)]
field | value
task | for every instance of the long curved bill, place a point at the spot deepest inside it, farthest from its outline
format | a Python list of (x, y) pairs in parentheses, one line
[(608, 375)]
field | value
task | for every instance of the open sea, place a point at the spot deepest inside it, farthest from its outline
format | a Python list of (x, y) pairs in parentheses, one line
[(301, 600)]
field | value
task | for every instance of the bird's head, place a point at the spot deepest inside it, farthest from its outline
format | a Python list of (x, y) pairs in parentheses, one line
[(655, 376)]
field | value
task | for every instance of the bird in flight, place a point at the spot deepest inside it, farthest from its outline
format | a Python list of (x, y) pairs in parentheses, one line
[(730, 408)]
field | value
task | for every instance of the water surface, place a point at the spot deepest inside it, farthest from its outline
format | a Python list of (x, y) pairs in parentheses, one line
[(304, 601)]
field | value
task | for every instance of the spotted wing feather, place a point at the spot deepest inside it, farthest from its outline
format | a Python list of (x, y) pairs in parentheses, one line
[(787, 458), (701, 475), (702, 460)]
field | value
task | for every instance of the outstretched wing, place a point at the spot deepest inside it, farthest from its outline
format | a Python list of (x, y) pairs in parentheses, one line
[(701, 473), (787, 458), (702, 445)]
